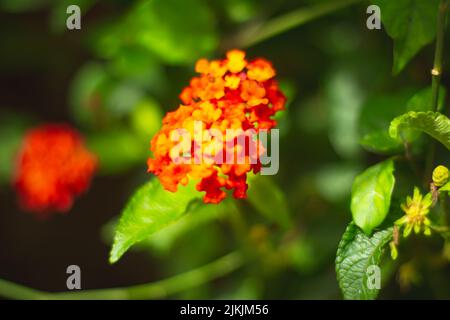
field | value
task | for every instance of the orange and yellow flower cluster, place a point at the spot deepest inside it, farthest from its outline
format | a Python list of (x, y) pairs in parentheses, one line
[(53, 167), (229, 94)]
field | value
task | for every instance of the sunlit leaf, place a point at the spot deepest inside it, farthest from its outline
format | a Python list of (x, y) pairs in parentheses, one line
[(356, 253), (149, 210), (412, 25), (433, 123), (371, 195)]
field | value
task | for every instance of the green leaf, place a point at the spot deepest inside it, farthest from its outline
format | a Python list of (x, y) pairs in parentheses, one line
[(381, 142), (433, 123), (268, 199), (202, 215), (411, 24), (150, 210), (421, 101), (379, 111), (371, 195), (374, 121), (445, 187), (356, 253), (162, 241)]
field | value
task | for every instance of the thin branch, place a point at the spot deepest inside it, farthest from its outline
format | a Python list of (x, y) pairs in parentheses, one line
[(154, 290), (436, 74), (257, 33)]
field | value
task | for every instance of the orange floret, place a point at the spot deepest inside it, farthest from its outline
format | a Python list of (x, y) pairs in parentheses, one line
[(260, 70)]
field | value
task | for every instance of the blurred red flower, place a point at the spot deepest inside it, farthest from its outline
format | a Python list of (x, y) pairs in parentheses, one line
[(52, 168)]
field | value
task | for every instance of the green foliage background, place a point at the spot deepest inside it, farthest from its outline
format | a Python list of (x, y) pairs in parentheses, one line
[(116, 77)]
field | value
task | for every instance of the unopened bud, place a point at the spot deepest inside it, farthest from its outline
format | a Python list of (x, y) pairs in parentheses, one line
[(440, 176)]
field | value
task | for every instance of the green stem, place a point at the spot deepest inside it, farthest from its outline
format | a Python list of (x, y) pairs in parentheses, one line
[(13, 290), (155, 290), (278, 25), (436, 74)]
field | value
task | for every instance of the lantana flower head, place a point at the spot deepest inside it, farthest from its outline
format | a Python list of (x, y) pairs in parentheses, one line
[(53, 167), (229, 95)]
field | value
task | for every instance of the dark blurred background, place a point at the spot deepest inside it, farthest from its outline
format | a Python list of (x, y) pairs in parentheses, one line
[(104, 79)]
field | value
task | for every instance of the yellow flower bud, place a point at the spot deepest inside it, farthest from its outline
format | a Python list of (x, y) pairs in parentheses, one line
[(440, 176)]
